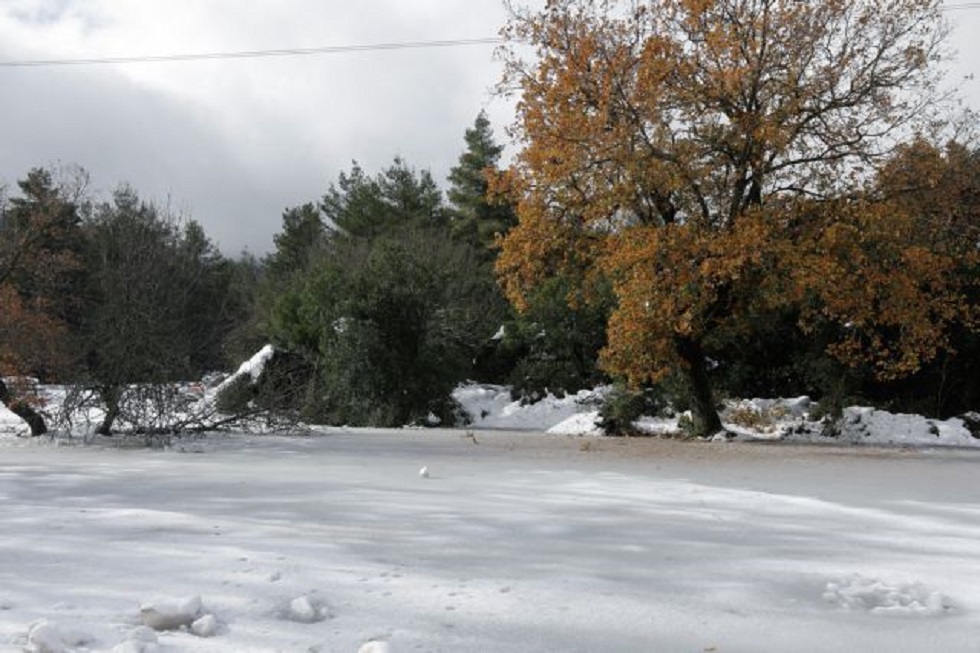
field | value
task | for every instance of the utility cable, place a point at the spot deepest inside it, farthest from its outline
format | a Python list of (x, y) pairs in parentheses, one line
[(251, 54), (295, 52)]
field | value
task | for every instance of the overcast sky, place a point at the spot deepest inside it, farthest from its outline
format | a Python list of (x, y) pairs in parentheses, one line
[(232, 143)]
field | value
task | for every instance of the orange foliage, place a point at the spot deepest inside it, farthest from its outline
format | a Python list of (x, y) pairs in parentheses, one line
[(29, 337), (693, 153), (680, 281), (890, 275), (32, 268)]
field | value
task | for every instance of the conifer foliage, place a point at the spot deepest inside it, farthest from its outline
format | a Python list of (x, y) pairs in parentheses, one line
[(475, 216), (389, 311)]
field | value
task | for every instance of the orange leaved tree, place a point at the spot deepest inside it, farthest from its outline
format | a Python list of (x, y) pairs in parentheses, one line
[(38, 236), (678, 149)]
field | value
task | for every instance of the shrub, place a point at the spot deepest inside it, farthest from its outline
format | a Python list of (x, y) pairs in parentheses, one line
[(622, 407)]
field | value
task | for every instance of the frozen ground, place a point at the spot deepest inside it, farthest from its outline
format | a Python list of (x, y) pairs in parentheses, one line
[(512, 542)]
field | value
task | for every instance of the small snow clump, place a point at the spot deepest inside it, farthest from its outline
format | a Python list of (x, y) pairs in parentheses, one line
[(44, 637), (170, 615), (206, 626), (880, 598), (305, 610)]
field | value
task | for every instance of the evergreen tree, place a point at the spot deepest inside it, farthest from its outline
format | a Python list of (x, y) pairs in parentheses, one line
[(303, 232), (473, 216), (391, 312), (359, 205)]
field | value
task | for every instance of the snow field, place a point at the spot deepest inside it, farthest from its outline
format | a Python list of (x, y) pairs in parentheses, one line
[(334, 542)]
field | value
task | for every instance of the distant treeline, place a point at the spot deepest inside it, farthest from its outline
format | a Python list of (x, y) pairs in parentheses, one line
[(758, 201)]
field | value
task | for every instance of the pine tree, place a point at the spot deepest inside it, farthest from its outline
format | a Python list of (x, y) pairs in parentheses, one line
[(398, 197), (474, 216), (303, 232)]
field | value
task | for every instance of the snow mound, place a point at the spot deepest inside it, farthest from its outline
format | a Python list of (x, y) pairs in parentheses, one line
[(862, 424), (491, 407), (578, 424), (880, 598), (44, 637), (170, 615)]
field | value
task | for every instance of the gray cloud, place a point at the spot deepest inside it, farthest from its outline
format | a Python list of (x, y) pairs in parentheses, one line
[(232, 143)]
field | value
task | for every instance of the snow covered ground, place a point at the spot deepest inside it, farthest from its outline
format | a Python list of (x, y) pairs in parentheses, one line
[(786, 420), (510, 542)]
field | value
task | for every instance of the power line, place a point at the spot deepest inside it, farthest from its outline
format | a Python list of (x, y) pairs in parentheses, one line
[(252, 54), (296, 52)]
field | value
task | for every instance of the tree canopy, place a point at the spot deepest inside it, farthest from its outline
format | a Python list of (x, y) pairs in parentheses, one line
[(711, 160)]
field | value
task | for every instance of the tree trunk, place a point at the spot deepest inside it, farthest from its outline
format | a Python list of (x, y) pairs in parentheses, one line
[(706, 420), (110, 397), (23, 410)]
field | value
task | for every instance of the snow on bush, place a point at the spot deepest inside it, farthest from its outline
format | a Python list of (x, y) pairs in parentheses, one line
[(170, 615), (765, 415), (252, 368), (878, 597)]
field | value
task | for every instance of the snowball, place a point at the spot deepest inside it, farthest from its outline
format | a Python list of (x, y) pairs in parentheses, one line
[(44, 637), (424, 472), (375, 647), (303, 610), (165, 615), (206, 626)]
